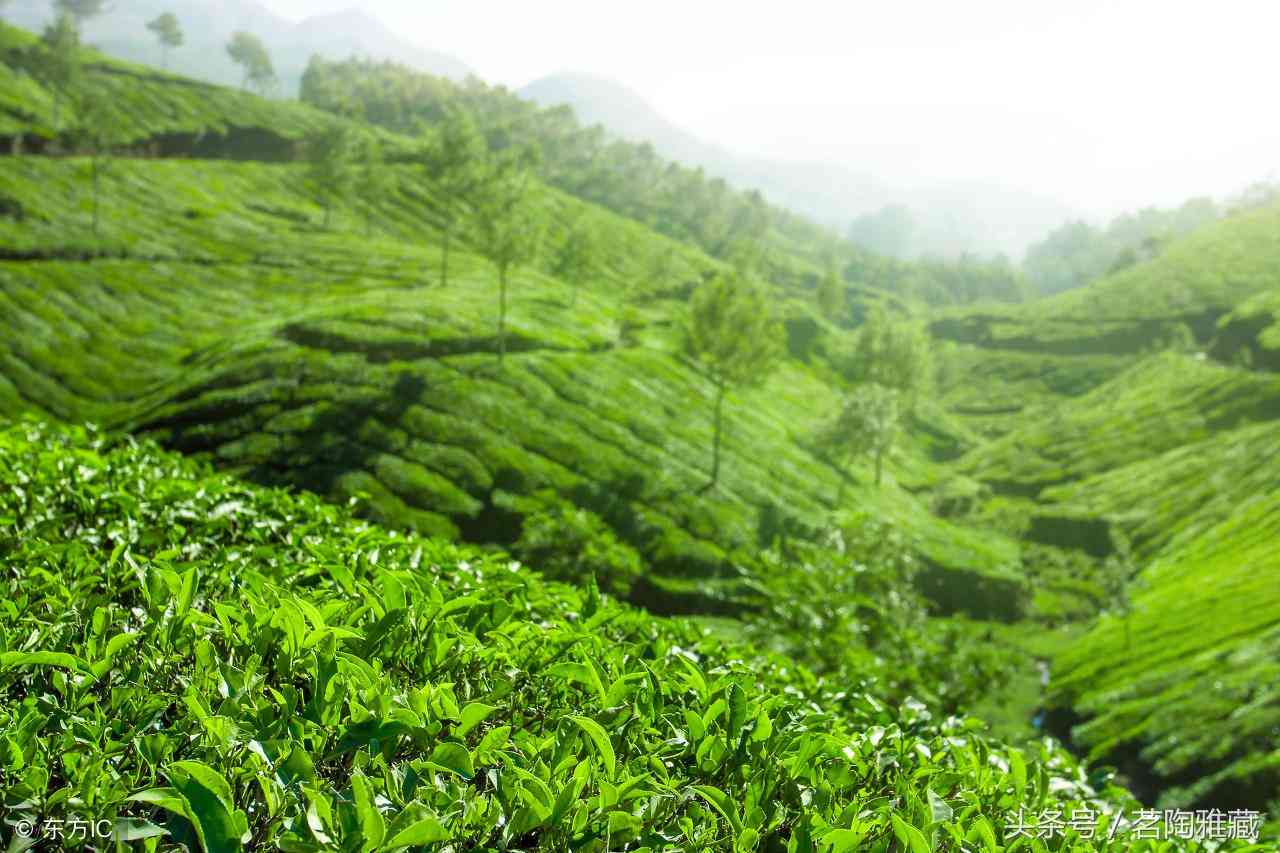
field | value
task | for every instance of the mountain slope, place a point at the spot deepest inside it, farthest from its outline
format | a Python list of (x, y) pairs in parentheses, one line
[(208, 25), (949, 220)]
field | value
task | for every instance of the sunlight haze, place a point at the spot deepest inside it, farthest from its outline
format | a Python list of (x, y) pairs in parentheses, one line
[(1105, 106)]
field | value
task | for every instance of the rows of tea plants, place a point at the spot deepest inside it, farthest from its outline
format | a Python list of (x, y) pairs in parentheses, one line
[(208, 663)]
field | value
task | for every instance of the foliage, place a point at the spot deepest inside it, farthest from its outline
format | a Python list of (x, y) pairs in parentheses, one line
[(867, 424), (329, 155), (892, 354), (208, 664), (566, 542), (61, 66), (508, 230), (375, 179), (168, 32), (579, 256), (456, 158), (248, 51), (1078, 253), (734, 337)]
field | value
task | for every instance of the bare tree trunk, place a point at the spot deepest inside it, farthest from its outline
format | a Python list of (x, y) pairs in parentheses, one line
[(716, 437), (94, 169), (502, 314), (444, 262)]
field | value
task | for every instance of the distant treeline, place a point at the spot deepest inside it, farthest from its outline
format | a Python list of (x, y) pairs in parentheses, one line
[(1078, 253), (633, 180)]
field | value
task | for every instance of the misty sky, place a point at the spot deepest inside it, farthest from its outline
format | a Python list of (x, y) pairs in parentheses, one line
[(1105, 104)]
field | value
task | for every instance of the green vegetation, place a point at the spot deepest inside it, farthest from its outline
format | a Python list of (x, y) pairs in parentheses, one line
[(168, 32), (263, 669), (1066, 481), (248, 51)]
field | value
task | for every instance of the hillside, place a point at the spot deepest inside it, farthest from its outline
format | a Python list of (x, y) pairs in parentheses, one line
[(208, 25), (349, 687), (1134, 420), (946, 220), (322, 359), (1075, 476)]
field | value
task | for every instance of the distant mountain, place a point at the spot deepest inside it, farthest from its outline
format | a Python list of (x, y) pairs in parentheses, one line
[(208, 25), (949, 219)]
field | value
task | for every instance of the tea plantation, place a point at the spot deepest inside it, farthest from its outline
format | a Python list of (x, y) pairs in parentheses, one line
[(341, 567), (204, 662)]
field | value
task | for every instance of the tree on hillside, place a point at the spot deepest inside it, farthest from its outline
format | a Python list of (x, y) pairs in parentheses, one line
[(831, 296), (248, 51), (734, 336), (375, 181), (579, 257), (890, 353), (168, 32), (329, 165), (890, 367), (508, 229), (79, 10), (867, 424), (100, 134), (454, 158), (61, 66)]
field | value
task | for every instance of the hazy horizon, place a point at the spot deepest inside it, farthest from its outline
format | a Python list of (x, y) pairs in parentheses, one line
[(1101, 108)]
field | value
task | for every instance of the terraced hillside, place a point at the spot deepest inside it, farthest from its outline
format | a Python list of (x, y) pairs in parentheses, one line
[(211, 309), (206, 665), (201, 300), (1141, 428)]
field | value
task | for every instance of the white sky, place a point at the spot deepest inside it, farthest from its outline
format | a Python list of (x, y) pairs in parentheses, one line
[(1104, 104)]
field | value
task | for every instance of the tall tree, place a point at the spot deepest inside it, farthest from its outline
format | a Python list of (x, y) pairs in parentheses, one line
[(890, 353), (890, 367), (248, 51), (100, 134), (831, 296), (79, 10), (61, 66), (508, 229), (867, 423), (168, 32), (375, 180), (733, 334), (579, 257), (329, 159), (454, 158)]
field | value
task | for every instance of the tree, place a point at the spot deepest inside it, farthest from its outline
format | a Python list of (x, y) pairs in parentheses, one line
[(734, 335), (79, 10), (892, 354), (329, 158), (455, 160), (831, 296), (890, 366), (867, 423), (579, 257), (375, 181), (61, 68), (508, 230), (248, 51), (101, 132), (168, 32)]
